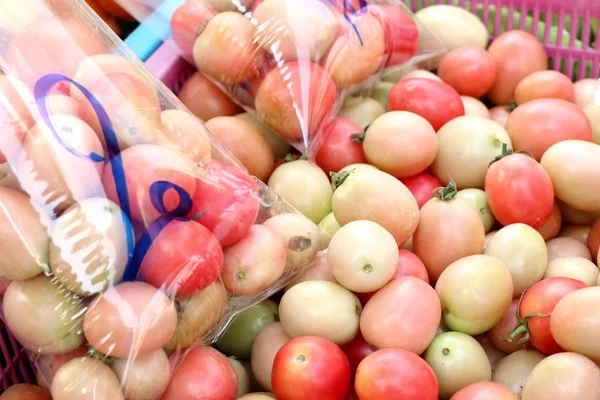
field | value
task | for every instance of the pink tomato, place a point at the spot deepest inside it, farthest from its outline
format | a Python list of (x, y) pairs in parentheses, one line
[(401, 33), (544, 85), (186, 23), (339, 148), (470, 70), (205, 100)]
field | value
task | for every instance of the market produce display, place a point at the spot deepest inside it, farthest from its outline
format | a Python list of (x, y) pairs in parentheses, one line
[(444, 238)]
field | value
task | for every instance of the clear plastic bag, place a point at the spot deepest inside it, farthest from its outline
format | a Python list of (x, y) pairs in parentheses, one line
[(129, 234), (293, 63)]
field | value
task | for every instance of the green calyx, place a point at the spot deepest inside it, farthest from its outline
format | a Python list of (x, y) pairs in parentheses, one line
[(446, 193)]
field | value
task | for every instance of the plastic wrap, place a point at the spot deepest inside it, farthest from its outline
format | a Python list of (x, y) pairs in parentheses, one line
[(292, 63), (130, 235)]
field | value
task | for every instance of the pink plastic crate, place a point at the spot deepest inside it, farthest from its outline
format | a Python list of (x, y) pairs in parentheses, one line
[(16, 366), (167, 64)]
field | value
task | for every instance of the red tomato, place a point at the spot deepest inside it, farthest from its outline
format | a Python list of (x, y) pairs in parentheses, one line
[(203, 374), (187, 22), (356, 351), (409, 264), (470, 70), (310, 367), (229, 200), (295, 99), (541, 298), (435, 101), (205, 100), (401, 33), (395, 374), (183, 259), (24, 391), (422, 186), (519, 191), (339, 149)]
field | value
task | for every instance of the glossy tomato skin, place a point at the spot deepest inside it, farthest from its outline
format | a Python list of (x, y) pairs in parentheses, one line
[(519, 191), (204, 374), (401, 33), (311, 368), (187, 22), (356, 351), (184, 258), (395, 374), (229, 200), (541, 298), (422, 186), (338, 149), (435, 101)]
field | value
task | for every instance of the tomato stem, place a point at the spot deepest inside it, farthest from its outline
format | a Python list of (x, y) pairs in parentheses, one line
[(521, 330), (511, 106), (94, 353), (357, 138), (507, 151), (339, 179), (197, 215), (446, 193)]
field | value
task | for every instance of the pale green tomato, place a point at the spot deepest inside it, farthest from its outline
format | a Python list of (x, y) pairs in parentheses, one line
[(478, 198), (144, 377), (243, 379), (523, 251), (470, 302), (514, 369), (457, 360), (362, 111), (305, 186), (381, 92), (593, 113), (329, 226), (575, 268), (363, 256)]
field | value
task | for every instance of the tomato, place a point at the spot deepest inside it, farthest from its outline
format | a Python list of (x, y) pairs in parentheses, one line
[(435, 241), (536, 306), (458, 361), (317, 270), (573, 267), (339, 148), (239, 337), (484, 391), (400, 131), (567, 247), (362, 111), (519, 190), (551, 228), (523, 250), (53, 323), (475, 107), (574, 215), (421, 73), (370, 194), (500, 115), (380, 93), (295, 31), (320, 308), (301, 236), (479, 201), (356, 350), (578, 232), (264, 349), (118, 321), (358, 52), (422, 186), (204, 373), (470, 70), (186, 134), (592, 111), (395, 374), (89, 264), (593, 240), (204, 99), (24, 391), (517, 54), (573, 322), (74, 178), (574, 185), (499, 333), (401, 33), (466, 147), (544, 85), (187, 21), (328, 226), (295, 99), (305, 186), (408, 265), (225, 49), (23, 238), (86, 378), (493, 354), (363, 256), (584, 92), (538, 124), (404, 314), (469, 303), (279, 146), (144, 377), (437, 102), (229, 200), (311, 367), (514, 369), (15, 116), (183, 258), (552, 377)]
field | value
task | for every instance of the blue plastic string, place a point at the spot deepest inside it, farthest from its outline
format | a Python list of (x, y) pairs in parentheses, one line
[(349, 10)]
